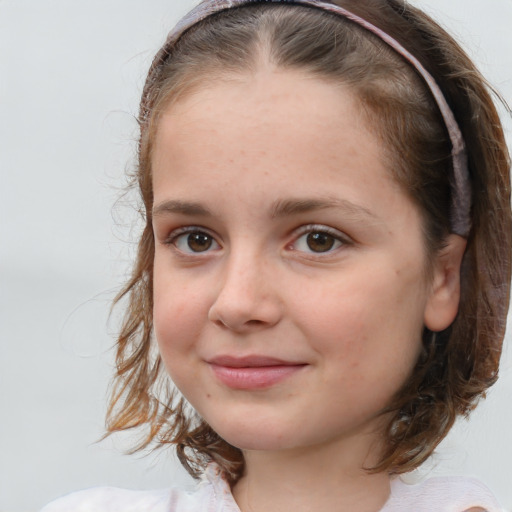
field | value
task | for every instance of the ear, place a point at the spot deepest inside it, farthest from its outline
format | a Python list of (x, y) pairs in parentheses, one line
[(443, 301)]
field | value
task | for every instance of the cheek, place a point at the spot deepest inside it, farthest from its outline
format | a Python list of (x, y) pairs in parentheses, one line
[(360, 318), (176, 325), (178, 307)]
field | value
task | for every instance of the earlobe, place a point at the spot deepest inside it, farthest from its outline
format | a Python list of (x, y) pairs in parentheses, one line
[(443, 301)]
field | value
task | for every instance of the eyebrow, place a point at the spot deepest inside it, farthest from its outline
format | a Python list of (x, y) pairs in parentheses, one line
[(183, 207), (296, 206), (281, 208)]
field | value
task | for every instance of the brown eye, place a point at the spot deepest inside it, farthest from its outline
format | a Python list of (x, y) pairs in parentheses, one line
[(320, 242), (318, 239), (194, 242), (199, 242)]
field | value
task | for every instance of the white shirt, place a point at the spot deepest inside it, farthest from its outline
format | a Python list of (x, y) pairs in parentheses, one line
[(212, 494)]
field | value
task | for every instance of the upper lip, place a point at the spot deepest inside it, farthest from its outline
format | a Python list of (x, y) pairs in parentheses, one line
[(252, 361)]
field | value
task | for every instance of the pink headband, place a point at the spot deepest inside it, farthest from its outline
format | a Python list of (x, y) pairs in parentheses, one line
[(460, 183)]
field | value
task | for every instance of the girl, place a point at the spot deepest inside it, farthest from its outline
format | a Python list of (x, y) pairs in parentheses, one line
[(325, 264)]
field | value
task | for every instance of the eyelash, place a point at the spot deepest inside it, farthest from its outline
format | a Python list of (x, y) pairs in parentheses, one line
[(183, 233), (337, 238)]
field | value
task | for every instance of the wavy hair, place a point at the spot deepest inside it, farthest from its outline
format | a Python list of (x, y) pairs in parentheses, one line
[(457, 365)]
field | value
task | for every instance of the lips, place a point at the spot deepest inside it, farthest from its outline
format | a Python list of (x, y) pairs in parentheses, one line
[(252, 372)]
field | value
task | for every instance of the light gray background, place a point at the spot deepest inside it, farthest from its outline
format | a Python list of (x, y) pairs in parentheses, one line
[(70, 77)]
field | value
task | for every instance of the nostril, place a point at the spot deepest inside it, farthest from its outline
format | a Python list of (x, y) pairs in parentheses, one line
[(254, 322), (250, 310)]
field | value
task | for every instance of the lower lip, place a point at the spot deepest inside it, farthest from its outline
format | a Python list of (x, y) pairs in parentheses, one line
[(258, 377)]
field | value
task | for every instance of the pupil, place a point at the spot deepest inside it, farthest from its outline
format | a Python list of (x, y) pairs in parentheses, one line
[(320, 242), (199, 242)]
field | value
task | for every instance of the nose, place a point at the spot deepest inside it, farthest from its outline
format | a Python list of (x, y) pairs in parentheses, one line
[(247, 299)]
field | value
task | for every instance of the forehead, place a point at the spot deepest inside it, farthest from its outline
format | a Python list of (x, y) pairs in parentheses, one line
[(283, 112), (246, 144)]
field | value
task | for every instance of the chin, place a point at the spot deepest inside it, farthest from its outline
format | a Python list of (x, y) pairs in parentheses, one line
[(255, 438)]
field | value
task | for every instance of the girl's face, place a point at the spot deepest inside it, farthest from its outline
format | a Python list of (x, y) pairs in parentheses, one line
[(290, 287)]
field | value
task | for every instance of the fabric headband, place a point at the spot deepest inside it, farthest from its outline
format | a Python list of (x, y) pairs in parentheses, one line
[(460, 182)]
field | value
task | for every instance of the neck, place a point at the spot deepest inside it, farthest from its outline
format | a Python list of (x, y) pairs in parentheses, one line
[(329, 478)]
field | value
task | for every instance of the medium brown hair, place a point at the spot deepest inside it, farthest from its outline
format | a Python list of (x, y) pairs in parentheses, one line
[(457, 365)]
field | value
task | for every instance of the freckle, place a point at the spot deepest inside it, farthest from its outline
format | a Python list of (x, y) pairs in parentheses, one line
[(208, 395)]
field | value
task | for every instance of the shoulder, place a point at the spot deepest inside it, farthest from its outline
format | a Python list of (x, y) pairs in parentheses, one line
[(110, 499), (211, 494), (457, 494)]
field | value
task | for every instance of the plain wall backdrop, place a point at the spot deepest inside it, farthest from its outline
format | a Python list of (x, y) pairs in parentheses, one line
[(70, 78)]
